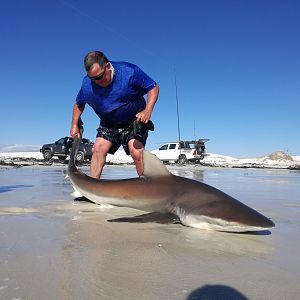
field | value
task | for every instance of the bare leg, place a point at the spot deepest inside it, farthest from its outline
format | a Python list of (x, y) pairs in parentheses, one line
[(136, 151), (101, 147)]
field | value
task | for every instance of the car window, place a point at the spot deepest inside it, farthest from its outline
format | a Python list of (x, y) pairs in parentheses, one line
[(164, 147), (61, 141), (86, 141), (172, 146)]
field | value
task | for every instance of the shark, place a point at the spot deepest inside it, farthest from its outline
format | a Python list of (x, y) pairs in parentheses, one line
[(193, 203)]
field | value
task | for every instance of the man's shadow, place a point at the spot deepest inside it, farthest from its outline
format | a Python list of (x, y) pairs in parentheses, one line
[(216, 292)]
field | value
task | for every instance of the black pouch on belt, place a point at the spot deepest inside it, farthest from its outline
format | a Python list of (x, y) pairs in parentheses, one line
[(136, 126)]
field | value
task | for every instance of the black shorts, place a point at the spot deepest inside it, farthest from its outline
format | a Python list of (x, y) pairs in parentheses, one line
[(121, 136)]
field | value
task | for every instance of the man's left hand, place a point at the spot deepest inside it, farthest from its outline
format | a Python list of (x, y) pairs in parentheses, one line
[(143, 116)]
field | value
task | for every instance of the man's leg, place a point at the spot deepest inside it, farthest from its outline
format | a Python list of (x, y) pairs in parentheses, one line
[(136, 151), (101, 148)]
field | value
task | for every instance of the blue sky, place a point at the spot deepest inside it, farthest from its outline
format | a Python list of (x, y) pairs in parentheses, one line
[(237, 65)]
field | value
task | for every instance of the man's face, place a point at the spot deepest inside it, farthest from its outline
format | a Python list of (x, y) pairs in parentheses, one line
[(97, 73)]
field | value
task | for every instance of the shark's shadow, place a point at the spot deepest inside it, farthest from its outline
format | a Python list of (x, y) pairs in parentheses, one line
[(154, 217), (169, 218)]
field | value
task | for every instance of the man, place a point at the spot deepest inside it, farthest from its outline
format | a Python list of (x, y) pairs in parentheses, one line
[(115, 90)]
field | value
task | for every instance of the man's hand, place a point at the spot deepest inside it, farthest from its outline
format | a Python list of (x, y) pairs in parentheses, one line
[(77, 111), (143, 116), (76, 121), (75, 131)]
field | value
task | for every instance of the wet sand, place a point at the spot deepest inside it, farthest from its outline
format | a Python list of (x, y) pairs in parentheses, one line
[(53, 248)]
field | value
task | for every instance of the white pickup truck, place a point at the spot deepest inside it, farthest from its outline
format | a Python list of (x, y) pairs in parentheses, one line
[(182, 152)]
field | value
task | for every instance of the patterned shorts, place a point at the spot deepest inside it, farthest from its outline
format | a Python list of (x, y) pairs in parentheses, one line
[(121, 136)]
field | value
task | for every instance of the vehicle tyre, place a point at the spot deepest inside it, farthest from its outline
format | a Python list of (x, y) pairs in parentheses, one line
[(62, 158), (47, 154), (80, 157), (182, 159)]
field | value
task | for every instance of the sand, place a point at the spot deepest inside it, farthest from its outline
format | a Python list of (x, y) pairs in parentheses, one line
[(53, 249)]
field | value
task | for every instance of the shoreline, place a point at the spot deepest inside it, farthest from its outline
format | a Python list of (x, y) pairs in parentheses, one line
[(36, 163), (279, 161)]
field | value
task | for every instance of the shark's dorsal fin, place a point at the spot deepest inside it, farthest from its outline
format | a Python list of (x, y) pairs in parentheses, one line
[(153, 167)]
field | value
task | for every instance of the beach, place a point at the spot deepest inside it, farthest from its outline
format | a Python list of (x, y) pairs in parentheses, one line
[(55, 248)]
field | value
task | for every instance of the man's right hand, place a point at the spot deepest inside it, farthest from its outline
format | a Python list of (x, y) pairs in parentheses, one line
[(75, 131), (77, 111)]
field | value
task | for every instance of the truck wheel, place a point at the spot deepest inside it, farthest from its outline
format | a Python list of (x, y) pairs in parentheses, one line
[(80, 157), (182, 159), (62, 158), (47, 154)]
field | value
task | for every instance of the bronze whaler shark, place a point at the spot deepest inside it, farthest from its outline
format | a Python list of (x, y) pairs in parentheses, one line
[(196, 204)]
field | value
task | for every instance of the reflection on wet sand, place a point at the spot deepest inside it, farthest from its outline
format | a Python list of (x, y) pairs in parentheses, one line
[(191, 174), (9, 188), (53, 248)]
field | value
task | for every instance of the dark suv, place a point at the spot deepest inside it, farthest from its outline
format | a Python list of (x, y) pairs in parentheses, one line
[(61, 149)]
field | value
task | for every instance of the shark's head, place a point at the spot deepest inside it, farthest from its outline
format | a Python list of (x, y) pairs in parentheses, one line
[(203, 206), (246, 223), (207, 207)]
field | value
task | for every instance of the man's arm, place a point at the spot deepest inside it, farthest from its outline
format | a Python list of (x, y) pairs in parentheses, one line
[(77, 111), (145, 115)]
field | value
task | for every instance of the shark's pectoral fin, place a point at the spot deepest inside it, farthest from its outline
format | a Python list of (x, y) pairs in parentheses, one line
[(76, 193), (155, 217), (153, 167)]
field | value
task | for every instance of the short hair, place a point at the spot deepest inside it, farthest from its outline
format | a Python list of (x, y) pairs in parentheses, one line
[(94, 57)]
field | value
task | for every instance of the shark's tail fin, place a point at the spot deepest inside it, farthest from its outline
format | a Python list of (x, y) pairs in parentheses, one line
[(75, 147)]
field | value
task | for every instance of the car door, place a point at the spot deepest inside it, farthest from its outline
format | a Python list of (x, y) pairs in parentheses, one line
[(172, 153), (162, 152), (59, 146)]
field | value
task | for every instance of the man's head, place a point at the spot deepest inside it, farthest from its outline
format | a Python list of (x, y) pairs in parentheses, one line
[(94, 57), (96, 64)]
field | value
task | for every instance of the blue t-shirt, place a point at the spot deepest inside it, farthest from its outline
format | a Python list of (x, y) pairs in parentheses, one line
[(119, 102)]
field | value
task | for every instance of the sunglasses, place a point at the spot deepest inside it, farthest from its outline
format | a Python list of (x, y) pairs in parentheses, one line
[(99, 77)]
